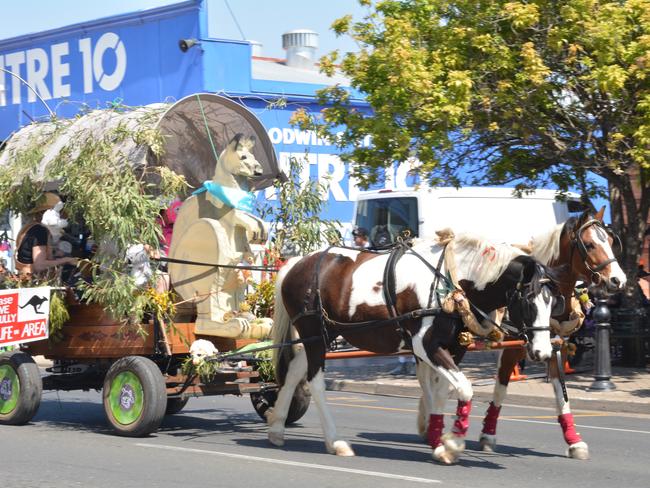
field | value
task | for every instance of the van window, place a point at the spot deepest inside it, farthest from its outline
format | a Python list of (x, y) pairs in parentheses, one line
[(387, 218)]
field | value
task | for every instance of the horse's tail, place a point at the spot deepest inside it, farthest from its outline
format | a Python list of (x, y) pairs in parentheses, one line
[(283, 330)]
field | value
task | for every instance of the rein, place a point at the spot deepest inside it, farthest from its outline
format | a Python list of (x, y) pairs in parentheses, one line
[(212, 265)]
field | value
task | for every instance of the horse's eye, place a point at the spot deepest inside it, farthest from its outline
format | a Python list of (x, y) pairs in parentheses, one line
[(590, 246)]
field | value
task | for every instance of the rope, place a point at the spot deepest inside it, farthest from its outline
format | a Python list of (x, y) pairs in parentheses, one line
[(207, 129)]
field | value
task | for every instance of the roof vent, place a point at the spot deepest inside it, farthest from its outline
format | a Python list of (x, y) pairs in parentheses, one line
[(256, 48), (301, 45)]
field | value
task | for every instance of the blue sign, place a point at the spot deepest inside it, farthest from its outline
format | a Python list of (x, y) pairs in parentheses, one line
[(131, 59)]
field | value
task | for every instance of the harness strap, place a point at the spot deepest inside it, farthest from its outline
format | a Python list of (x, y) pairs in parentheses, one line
[(389, 289)]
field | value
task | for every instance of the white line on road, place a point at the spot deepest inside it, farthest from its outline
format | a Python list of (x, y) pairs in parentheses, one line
[(580, 426), (376, 474)]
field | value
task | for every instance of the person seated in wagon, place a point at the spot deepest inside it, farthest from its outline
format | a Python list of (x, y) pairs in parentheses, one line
[(35, 251)]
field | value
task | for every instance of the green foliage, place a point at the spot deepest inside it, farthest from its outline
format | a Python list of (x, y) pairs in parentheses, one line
[(59, 315), (295, 219), (119, 201), (262, 298), (537, 93)]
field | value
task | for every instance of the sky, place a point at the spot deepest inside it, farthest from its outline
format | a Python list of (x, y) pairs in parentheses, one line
[(270, 20)]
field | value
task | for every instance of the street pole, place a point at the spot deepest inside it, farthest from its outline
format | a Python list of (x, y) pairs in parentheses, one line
[(603, 366)]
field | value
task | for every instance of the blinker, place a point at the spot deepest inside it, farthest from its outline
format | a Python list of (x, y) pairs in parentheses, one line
[(559, 304)]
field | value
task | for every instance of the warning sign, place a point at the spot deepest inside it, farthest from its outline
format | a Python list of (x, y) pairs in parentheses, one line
[(24, 314)]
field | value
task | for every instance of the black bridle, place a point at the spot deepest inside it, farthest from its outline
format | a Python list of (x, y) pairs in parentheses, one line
[(578, 243), (520, 306)]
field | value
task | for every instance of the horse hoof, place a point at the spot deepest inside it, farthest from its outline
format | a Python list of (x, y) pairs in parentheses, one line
[(579, 450), (443, 456), (453, 443), (342, 448), (276, 438), (488, 442)]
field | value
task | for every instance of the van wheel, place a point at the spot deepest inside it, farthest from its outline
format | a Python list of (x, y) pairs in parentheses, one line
[(20, 388)]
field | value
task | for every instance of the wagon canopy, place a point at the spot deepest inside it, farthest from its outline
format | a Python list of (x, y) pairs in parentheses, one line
[(194, 131)]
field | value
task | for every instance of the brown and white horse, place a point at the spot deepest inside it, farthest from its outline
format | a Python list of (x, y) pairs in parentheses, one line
[(330, 292), (582, 250)]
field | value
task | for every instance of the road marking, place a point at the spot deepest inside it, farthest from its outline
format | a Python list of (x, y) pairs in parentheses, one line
[(344, 398), (616, 429), (510, 417), (297, 464)]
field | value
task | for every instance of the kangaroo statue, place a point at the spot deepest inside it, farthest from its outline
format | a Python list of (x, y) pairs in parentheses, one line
[(215, 226)]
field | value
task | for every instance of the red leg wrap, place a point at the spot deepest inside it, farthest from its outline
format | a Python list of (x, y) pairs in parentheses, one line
[(490, 420), (436, 424), (569, 428), (461, 424)]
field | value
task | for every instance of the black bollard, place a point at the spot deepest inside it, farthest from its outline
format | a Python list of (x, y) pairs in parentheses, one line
[(603, 364)]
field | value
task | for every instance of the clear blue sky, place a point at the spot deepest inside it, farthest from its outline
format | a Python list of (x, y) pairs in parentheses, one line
[(261, 20)]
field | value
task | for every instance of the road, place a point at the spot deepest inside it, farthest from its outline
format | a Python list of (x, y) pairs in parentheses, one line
[(220, 442)]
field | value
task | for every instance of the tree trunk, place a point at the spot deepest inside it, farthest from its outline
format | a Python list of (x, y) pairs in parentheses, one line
[(632, 235)]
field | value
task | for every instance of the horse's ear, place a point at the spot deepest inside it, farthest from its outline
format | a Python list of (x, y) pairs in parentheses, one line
[(530, 268), (600, 214)]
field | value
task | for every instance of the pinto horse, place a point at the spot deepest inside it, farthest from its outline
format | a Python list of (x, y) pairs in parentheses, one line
[(582, 250), (354, 294)]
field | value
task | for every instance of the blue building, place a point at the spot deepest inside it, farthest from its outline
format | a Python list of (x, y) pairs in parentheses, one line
[(163, 55)]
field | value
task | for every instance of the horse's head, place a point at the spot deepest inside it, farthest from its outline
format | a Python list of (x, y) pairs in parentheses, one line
[(532, 299), (594, 260), (238, 159)]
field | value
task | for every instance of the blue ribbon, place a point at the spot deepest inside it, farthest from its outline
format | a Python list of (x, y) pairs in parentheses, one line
[(233, 197)]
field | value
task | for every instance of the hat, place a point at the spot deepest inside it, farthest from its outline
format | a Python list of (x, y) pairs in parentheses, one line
[(45, 202), (360, 232)]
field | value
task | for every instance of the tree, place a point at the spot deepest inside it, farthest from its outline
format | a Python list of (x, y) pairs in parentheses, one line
[(296, 225), (533, 93)]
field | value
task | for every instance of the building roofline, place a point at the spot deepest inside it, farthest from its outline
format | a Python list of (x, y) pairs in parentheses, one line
[(128, 18)]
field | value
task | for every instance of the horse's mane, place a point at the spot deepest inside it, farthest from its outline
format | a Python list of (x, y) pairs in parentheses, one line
[(546, 247), (488, 258)]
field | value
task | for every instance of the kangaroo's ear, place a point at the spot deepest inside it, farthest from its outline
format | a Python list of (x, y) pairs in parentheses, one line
[(235, 141), (600, 214)]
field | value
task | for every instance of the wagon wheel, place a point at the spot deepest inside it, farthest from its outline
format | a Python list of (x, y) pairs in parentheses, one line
[(135, 396), (265, 399), (20, 388), (175, 405)]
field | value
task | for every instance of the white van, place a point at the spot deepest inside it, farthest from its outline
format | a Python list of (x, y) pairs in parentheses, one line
[(494, 213)]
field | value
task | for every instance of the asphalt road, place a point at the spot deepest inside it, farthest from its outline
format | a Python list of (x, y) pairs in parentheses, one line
[(220, 442)]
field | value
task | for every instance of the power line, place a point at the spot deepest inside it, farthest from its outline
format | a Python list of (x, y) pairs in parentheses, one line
[(234, 18)]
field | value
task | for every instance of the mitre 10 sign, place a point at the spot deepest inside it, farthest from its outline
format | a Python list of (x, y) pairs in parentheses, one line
[(24, 314)]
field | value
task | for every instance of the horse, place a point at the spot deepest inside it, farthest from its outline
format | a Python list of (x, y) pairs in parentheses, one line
[(382, 301), (581, 249), (219, 212)]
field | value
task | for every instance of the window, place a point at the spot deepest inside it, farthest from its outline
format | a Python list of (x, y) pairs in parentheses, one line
[(388, 218)]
